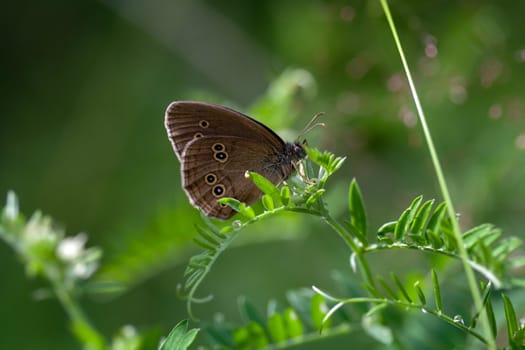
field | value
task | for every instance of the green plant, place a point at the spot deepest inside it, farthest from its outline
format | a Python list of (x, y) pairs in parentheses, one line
[(66, 264), (423, 227), (383, 305)]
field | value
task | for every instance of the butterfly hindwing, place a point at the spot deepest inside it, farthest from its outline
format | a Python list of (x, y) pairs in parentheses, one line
[(215, 167)]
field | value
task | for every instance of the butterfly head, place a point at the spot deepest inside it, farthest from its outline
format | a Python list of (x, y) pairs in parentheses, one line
[(295, 151)]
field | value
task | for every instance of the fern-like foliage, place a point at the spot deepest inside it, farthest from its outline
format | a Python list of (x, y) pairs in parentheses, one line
[(180, 338), (423, 226), (395, 293), (281, 327), (300, 194), (427, 228), (65, 264)]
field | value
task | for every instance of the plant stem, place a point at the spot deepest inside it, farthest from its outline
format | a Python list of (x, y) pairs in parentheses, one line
[(476, 295), (356, 247), (406, 304), (83, 330)]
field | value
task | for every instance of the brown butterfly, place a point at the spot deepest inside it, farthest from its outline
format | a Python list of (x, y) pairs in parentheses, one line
[(216, 145)]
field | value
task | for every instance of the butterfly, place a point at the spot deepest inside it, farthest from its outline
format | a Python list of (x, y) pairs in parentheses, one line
[(216, 145)]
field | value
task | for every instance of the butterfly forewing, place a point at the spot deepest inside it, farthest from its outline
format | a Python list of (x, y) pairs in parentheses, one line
[(186, 121)]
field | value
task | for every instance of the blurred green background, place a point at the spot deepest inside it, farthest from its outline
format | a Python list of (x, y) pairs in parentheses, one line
[(85, 84)]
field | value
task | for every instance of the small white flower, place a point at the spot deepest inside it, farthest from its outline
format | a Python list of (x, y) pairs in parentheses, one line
[(83, 270), (129, 331), (11, 208), (71, 248), (38, 231)]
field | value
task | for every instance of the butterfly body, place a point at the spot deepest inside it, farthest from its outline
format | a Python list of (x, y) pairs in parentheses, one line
[(216, 146)]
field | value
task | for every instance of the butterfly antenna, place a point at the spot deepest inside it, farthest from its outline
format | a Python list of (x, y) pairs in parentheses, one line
[(311, 124)]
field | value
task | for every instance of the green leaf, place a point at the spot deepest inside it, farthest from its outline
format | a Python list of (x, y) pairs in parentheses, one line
[(88, 335), (293, 323), (487, 306), (491, 317), (505, 247), (249, 311), (400, 287), (193, 278), (476, 234), (435, 220), (337, 164), (299, 300), (263, 184), (402, 225), (267, 202), (276, 328), (357, 208), (285, 195), (483, 253), (246, 211), (259, 340), (326, 160), (420, 293), (387, 288), (231, 202), (448, 235), (421, 217), (204, 244), (318, 311), (385, 229), (208, 235), (316, 156), (221, 334), (180, 338), (241, 338), (512, 323), (437, 291), (315, 196), (406, 218), (227, 229), (435, 239)]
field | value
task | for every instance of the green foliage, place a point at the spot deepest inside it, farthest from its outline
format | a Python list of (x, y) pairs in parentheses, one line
[(419, 227), (180, 338), (63, 261), (423, 227), (515, 329), (311, 316), (282, 327), (65, 264), (374, 302), (299, 196)]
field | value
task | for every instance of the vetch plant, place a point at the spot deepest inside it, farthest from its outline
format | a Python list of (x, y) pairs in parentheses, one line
[(66, 264), (392, 308), (424, 227)]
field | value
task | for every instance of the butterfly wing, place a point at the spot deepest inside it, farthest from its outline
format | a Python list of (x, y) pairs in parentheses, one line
[(186, 121), (214, 167)]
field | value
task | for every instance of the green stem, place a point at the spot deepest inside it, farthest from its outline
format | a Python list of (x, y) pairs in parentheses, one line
[(489, 275), (83, 330), (344, 328), (404, 304), (476, 294), (356, 247)]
